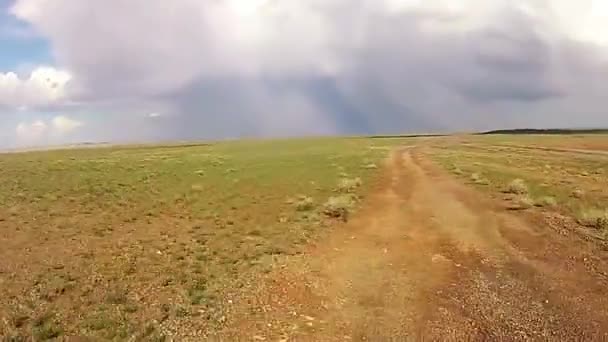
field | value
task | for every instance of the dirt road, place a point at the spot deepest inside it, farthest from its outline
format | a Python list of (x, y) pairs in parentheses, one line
[(429, 258)]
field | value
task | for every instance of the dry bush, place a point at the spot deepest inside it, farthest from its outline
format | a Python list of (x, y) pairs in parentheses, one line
[(349, 184), (339, 206), (524, 202), (305, 203), (478, 179), (578, 193), (594, 218), (517, 186), (546, 201), (521, 202)]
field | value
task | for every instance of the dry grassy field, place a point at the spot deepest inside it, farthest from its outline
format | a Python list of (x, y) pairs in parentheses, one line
[(115, 242), (560, 174), (465, 237)]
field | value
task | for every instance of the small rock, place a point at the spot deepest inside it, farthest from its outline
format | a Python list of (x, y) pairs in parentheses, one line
[(308, 318), (259, 338)]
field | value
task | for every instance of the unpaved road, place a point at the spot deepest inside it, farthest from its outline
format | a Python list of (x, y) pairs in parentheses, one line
[(427, 258)]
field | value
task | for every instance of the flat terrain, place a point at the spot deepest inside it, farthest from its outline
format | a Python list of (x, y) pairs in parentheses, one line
[(448, 238)]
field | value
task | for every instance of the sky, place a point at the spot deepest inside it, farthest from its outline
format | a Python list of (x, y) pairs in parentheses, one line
[(150, 70)]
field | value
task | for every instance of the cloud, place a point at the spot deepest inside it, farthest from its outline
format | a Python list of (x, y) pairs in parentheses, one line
[(31, 131), (44, 86), (280, 67), (63, 125), (40, 132), (154, 115)]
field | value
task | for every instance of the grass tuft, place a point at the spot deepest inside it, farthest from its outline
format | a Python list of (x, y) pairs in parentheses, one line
[(370, 166), (594, 218), (339, 206), (524, 202), (305, 203), (349, 185), (45, 328), (546, 201), (578, 193), (478, 179), (517, 186), (521, 202)]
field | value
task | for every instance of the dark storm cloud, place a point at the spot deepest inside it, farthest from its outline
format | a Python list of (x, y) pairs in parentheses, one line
[(229, 69)]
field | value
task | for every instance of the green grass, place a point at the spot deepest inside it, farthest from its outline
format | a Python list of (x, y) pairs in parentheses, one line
[(88, 233)]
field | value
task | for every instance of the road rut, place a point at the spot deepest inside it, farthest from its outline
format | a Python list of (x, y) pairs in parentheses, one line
[(429, 258)]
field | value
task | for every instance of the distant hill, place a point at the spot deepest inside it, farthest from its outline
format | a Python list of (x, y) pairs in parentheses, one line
[(546, 131)]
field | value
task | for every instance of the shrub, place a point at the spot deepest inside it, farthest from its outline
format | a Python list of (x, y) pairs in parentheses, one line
[(478, 179), (546, 201), (578, 193), (524, 202), (305, 203), (339, 206), (517, 186), (594, 218), (349, 184)]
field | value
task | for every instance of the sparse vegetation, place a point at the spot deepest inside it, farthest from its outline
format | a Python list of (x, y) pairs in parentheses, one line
[(107, 237), (547, 169), (105, 234), (349, 184), (46, 328)]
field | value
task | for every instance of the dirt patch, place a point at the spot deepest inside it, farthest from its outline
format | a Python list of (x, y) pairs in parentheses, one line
[(427, 257)]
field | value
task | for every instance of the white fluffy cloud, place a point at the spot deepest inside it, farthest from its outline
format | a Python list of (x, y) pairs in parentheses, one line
[(31, 131), (42, 131), (64, 125), (44, 86)]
